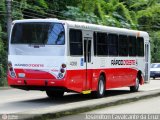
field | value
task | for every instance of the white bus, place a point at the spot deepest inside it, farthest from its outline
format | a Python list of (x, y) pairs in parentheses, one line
[(59, 56)]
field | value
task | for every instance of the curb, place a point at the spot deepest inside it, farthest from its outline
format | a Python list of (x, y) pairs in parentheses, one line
[(5, 88), (85, 106)]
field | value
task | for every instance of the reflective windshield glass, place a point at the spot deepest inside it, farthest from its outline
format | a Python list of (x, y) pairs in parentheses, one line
[(38, 33), (155, 65)]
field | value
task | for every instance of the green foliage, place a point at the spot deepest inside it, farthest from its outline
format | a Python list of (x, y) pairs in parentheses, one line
[(2, 13), (61, 5), (109, 8), (87, 6), (155, 43), (3, 60), (41, 3), (110, 21), (152, 2), (76, 14), (3, 44), (98, 10), (124, 12), (149, 18)]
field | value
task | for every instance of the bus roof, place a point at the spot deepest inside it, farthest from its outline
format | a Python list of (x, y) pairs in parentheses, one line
[(89, 26)]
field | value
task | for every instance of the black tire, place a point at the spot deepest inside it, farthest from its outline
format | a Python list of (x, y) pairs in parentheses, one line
[(100, 88), (154, 78), (136, 86), (54, 94)]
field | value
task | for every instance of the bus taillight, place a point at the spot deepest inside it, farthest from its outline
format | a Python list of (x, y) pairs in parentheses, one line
[(9, 64), (63, 65), (11, 70), (62, 71)]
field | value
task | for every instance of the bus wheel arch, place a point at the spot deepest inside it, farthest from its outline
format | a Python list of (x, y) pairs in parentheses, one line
[(141, 79), (101, 86), (138, 81)]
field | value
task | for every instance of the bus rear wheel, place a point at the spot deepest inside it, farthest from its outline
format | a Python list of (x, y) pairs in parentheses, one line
[(54, 94), (136, 86), (100, 88)]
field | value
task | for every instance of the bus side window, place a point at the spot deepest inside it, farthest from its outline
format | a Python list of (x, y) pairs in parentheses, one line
[(113, 44), (140, 46), (95, 43), (102, 47), (75, 37), (123, 45), (132, 45)]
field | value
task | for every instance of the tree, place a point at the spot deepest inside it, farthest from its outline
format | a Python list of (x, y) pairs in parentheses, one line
[(155, 43), (3, 60), (149, 18), (74, 13)]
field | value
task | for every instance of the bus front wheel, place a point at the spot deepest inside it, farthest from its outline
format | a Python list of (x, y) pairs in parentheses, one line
[(54, 94), (136, 86)]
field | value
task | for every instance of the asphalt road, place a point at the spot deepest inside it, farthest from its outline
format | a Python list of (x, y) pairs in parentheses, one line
[(148, 109), (14, 100), (147, 106)]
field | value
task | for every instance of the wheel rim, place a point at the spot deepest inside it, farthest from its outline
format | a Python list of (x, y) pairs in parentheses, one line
[(101, 87), (137, 83)]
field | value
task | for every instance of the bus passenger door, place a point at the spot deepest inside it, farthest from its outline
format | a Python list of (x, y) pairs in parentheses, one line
[(88, 43), (147, 63)]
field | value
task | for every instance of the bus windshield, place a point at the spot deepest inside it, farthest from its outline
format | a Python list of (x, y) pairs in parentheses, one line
[(46, 33), (155, 65)]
